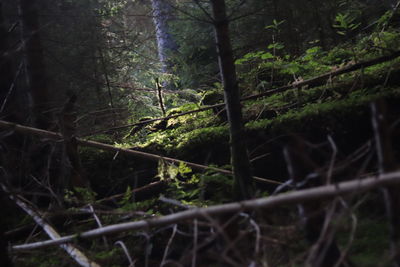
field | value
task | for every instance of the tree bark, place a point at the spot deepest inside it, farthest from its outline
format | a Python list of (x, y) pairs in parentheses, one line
[(239, 156), (34, 62), (6, 111), (4, 259), (67, 121), (162, 16), (6, 69)]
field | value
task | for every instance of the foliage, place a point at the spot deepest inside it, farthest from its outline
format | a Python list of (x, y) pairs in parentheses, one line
[(194, 188), (344, 23), (79, 195)]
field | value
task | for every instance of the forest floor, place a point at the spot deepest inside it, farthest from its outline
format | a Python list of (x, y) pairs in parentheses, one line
[(331, 128)]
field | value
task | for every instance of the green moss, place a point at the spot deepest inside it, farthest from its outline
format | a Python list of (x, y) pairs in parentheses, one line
[(371, 243), (340, 109)]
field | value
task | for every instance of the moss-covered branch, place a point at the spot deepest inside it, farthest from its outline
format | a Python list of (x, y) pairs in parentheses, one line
[(57, 136)]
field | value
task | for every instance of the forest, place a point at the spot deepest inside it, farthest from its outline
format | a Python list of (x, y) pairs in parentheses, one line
[(259, 133)]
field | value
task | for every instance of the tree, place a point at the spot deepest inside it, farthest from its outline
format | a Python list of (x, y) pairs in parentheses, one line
[(5, 93), (6, 78), (34, 62), (162, 15), (239, 155)]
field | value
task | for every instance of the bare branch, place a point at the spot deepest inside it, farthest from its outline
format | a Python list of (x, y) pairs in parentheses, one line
[(126, 251), (75, 253), (318, 193), (208, 15), (163, 261), (190, 15)]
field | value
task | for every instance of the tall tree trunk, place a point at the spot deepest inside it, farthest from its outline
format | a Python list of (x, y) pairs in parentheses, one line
[(162, 16), (4, 259), (239, 155), (6, 79), (6, 75), (34, 62)]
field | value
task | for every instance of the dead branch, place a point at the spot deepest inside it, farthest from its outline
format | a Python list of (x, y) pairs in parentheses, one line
[(58, 137), (318, 193), (311, 83), (387, 162), (75, 253), (146, 188)]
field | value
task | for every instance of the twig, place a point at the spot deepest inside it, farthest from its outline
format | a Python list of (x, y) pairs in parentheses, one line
[(208, 15), (168, 245), (332, 161), (125, 249), (352, 234), (3, 105), (258, 236), (174, 202), (258, 232), (196, 18), (98, 222), (221, 229), (147, 248), (324, 241), (133, 191), (317, 193)]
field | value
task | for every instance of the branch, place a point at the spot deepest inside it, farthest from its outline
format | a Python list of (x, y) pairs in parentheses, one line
[(208, 15), (58, 137), (195, 18), (314, 194), (145, 188), (75, 253)]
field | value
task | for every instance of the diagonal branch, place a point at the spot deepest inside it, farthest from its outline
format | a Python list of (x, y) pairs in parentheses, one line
[(314, 194), (75, 253), (58, 137)]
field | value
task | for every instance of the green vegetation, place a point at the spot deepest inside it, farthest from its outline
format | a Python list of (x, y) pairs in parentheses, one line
[(300, 137)]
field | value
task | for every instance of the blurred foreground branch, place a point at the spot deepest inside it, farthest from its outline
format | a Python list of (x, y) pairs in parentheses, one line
[(317, 193)]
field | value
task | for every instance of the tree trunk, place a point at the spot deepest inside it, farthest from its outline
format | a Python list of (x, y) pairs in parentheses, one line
[(5, 93), (162, 16), (34, 62), (6, 77), (319, 24), (239, 156)]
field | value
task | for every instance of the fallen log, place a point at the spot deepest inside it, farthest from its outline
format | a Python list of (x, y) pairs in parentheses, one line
[(58, 137)]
